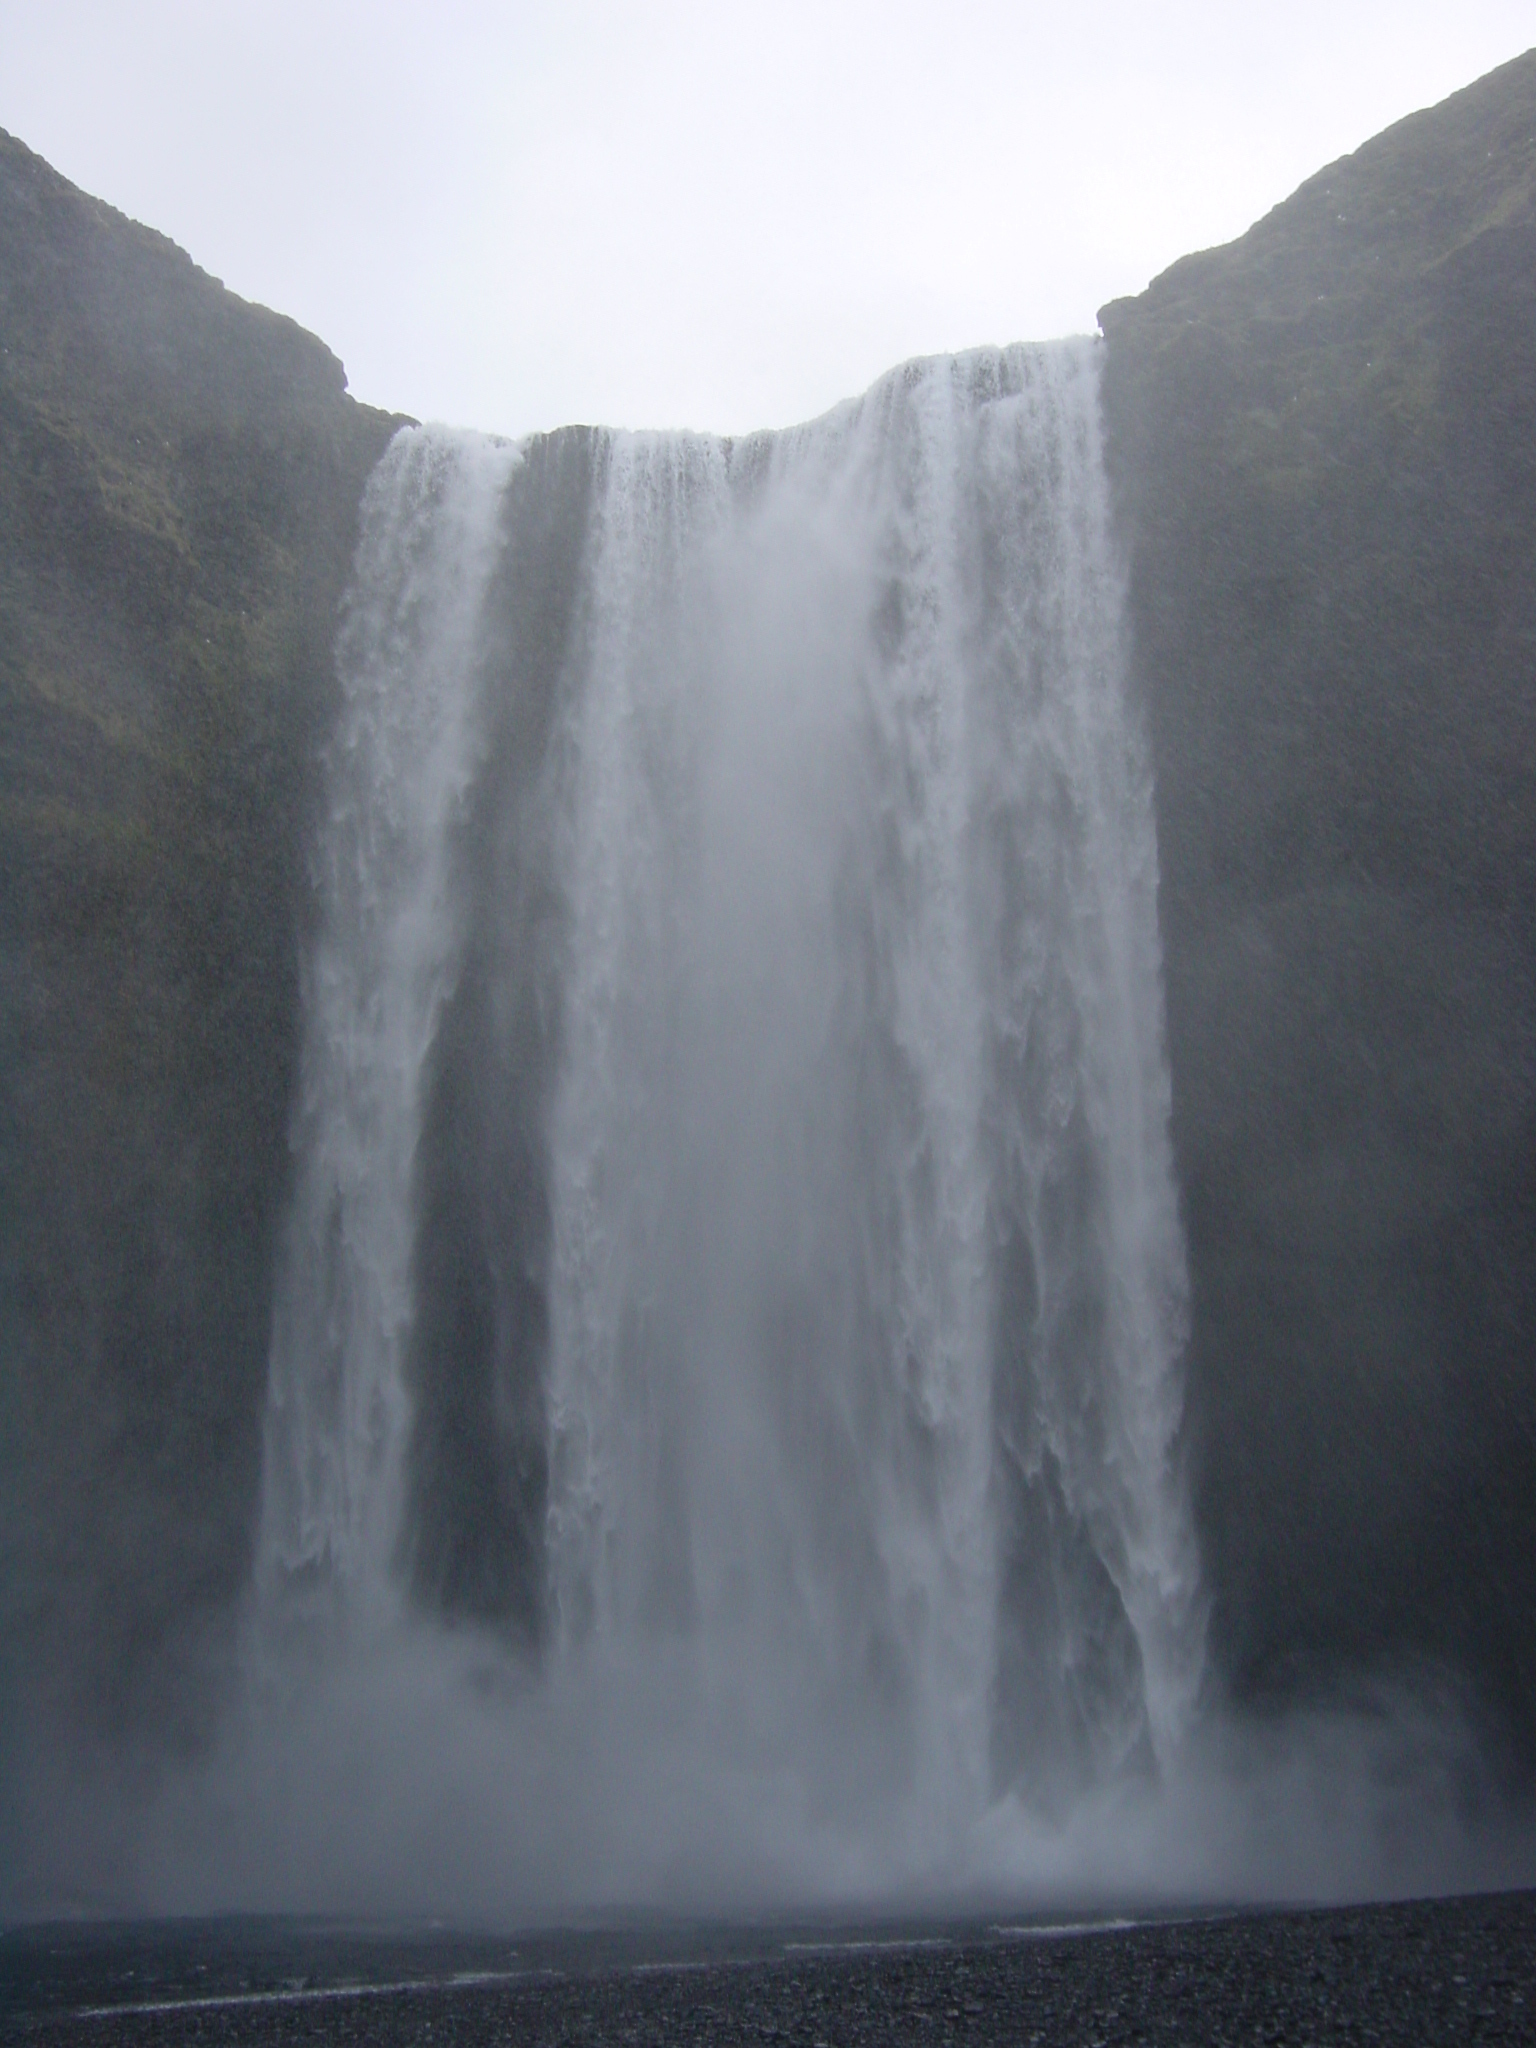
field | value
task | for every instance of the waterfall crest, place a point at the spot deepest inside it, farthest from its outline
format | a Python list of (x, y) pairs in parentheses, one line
[(734, 1234)]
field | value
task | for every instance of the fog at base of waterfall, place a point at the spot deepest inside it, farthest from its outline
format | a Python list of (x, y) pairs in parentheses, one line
[(431, 1777), (724, 1440)]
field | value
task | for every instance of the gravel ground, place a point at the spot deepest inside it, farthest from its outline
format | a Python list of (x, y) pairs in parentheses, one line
[(1441, 1971)]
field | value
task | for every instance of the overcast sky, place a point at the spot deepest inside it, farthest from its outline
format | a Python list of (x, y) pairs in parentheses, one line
[(708, 215)]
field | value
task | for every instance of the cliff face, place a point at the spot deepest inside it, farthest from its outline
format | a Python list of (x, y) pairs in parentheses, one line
[(179, 480), (1323, 439)]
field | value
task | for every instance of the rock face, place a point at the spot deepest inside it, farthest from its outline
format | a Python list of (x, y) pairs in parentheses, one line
[(1324, 442), (179, 480)]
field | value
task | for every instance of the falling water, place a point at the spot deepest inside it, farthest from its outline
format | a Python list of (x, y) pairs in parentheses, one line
[(400, 764), (735, 1258)]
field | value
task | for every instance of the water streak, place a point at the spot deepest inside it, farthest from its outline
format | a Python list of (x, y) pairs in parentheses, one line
[(399, 766)]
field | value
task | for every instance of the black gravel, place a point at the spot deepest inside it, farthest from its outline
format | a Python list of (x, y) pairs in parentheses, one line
[(1438, 1971)]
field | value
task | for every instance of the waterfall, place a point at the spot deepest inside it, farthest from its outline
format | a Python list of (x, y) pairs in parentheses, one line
[(735, 1247), (399, 766)]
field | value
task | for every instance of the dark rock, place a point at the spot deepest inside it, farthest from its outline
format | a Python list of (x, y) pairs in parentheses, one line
[(1434, 1970), (1323, 438), (179, 480)]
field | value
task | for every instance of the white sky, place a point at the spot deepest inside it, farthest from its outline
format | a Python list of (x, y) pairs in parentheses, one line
[(721, 216)]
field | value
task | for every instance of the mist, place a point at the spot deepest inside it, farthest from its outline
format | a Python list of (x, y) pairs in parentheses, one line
[(429, 1775)]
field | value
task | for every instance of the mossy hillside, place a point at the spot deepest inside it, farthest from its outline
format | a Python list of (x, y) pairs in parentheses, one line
[(1323, 440), (179, 479)]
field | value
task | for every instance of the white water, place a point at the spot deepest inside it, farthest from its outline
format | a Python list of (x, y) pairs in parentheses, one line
[(399, 766), (862, 1284)]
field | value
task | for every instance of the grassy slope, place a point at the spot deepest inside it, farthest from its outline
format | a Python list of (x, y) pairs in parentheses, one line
[(179, 478), (1324, 440)]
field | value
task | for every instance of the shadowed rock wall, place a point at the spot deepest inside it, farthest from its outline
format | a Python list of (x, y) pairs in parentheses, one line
[(1323, 439), (179, 478)]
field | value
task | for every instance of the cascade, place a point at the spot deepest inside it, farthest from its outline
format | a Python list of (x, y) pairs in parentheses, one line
[(734, 1249), (398, 764)]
